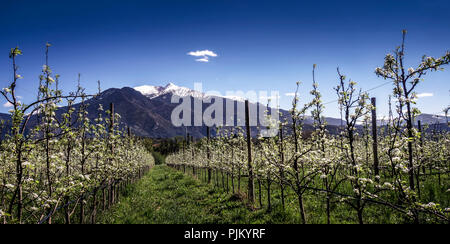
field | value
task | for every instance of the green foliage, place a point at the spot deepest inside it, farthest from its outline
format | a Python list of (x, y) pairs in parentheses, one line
[(159, 158), (181, 199)]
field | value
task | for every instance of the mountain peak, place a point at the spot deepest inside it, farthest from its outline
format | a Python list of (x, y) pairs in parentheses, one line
[(148, 90), (170, 85), (156, 91)]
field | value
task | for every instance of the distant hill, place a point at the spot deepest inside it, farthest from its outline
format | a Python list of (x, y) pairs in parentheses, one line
[(431, 119), (4, 124), (5, 117), (147, 111)]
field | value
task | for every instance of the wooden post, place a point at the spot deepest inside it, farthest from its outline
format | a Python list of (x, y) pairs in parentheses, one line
[(188, 143), (281, 168), (419, 125), (417, 173), (251, 196), (208, 154), (374, 136), (193, 156), (111, 125), (111, 130), (111, 109)]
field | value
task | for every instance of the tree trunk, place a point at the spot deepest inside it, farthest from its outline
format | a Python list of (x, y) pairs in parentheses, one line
[(302, 208)]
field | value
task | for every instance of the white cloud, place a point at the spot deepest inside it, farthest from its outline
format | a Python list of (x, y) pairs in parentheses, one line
[(205, 54), (290, 94), (426, 94), (7, 105), (205, 60)]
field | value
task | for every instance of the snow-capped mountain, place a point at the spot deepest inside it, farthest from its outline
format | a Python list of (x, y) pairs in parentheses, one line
[(156, 91), (162, 95), (172, 89)]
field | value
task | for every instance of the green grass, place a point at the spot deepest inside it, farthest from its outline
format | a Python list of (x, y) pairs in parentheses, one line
[(166, 196), (159, 158)]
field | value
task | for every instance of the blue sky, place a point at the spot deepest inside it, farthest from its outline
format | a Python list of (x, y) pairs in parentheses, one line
[(261, 45)]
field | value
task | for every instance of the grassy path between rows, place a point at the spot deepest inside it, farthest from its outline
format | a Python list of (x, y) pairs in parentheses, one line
[(167, 196)]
